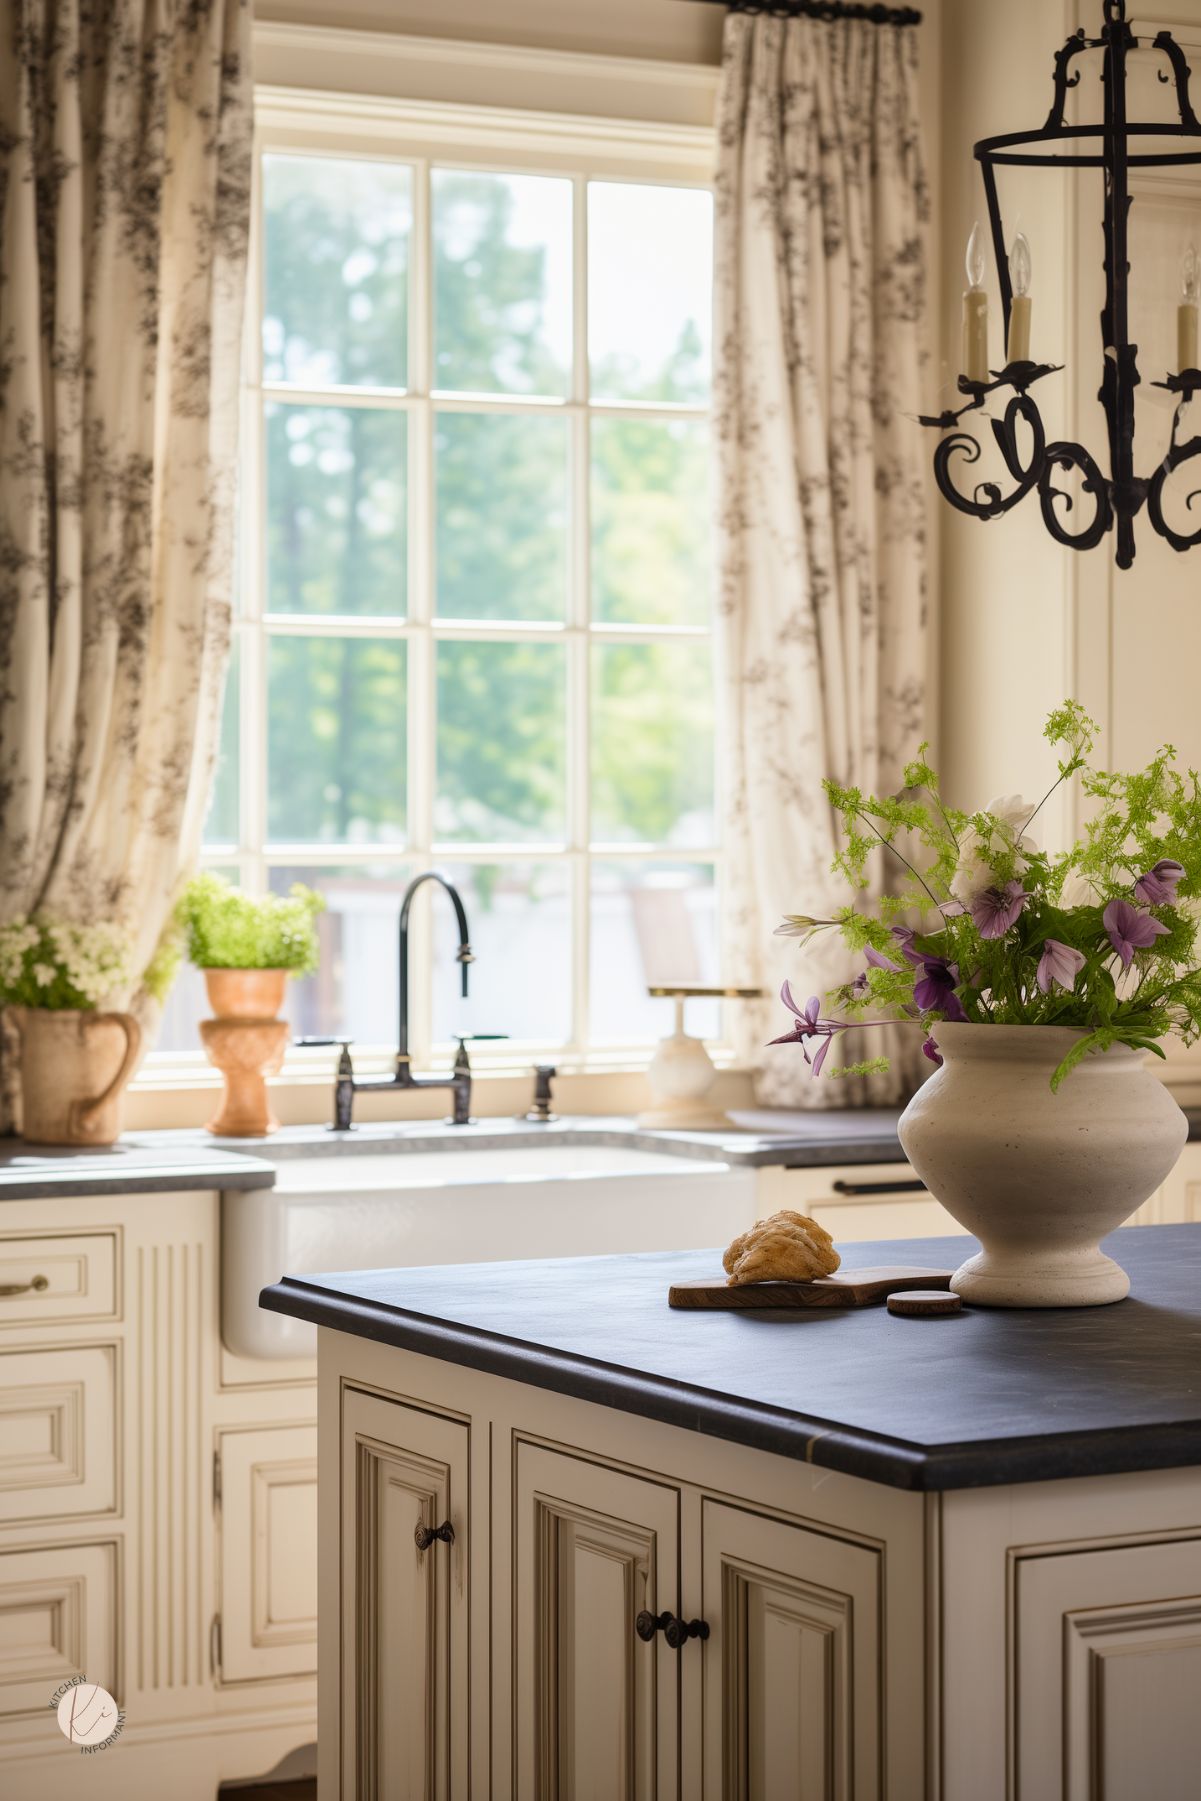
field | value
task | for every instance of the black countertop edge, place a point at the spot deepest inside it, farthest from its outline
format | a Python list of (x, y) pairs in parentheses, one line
[(870, 1456)]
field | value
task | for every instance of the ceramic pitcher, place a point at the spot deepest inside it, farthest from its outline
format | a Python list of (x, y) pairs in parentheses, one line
[(74, 1067)]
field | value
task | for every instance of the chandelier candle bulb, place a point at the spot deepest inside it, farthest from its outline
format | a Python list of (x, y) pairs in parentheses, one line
[(1189, 311), (975, 311), (1020, 270)]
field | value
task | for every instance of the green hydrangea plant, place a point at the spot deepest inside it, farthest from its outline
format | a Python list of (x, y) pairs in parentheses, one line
[(985, 928), (227, 929)]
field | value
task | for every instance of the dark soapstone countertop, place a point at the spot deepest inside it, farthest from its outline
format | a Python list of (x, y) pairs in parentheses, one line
[(134, 1165), (983, 1397)]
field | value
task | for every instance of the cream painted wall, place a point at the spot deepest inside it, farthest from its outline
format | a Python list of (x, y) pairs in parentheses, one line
[(1005, 585), (1024, 622), (686, 31)]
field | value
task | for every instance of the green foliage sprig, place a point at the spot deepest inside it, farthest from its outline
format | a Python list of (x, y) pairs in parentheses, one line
[(226, 929), (1101, 938)]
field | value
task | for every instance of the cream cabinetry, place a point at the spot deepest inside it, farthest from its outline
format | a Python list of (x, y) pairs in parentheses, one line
[(642, 1614), (58, 1617), (1109, 1670), (157, 1520), (863, 1201), (268, 1551), (633, 1610), (596, 1703), (858, 1201), (792, 1662), (404, 1609)]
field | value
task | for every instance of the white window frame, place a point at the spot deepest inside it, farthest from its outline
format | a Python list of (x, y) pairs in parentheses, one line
[(421, 135)]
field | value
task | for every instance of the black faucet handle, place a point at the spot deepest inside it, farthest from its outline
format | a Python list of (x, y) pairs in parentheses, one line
[(540, 1113)]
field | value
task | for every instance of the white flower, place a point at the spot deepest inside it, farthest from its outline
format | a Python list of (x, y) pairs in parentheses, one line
[(43, 974), (1078, 891), (997, 827)]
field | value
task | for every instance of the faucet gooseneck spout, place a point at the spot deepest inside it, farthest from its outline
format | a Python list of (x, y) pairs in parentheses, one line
[(463, 956), (348, 1085)]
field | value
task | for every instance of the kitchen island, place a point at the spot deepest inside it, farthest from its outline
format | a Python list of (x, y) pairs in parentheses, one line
[(573, 1543)]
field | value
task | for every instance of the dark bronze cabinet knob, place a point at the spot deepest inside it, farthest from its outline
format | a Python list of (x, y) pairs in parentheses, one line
[(674, 1630), (424, 1536)]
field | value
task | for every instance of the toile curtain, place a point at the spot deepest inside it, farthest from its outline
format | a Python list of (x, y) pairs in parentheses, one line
[(820, 290), (125, 159)]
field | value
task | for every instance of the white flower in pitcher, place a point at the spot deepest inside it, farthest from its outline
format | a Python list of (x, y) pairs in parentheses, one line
[(1001, 830)]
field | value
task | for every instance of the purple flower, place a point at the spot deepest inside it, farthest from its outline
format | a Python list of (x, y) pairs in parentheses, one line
[(935, 992), (931, 1050), (996, 909), (809, 1024), (878, 960), (1158, 887), (859, 985), (904, 936), (1058, 965), (1130, 929)]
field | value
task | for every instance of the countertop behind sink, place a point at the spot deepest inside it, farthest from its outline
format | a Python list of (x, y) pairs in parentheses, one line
[(189, 1159)]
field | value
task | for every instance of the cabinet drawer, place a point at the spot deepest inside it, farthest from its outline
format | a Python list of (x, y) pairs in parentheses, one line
[(54, 1278), (857, 1201), (58, 1421), (268, 1552), (57, 1620)]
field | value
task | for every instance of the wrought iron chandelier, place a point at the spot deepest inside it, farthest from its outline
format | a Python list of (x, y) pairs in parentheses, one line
[(1106, 503)]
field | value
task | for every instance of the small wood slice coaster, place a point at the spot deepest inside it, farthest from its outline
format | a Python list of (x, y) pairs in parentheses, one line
[(924, 1303)]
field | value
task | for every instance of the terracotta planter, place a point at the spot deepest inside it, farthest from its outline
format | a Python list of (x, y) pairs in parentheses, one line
[(246, 1042), (246, 993), (74, 1067), (1040, 1178)]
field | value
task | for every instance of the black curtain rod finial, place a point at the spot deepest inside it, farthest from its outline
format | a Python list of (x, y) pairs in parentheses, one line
[(828, 10)]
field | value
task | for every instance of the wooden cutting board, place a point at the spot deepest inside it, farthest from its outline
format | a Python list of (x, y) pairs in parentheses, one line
[(852, 1288)]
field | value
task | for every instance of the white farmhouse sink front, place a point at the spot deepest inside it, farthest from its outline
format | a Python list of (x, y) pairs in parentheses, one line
[(404, 1209)]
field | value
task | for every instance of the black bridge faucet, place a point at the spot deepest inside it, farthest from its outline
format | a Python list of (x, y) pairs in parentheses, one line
[(459, 1081)]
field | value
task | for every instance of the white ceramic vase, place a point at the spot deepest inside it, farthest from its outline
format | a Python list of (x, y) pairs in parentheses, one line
[(1040, 1178)]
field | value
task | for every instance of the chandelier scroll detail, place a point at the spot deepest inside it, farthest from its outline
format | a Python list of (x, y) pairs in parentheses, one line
[(1083, 516)]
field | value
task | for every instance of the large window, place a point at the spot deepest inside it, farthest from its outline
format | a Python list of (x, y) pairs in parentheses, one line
[(474, 619)]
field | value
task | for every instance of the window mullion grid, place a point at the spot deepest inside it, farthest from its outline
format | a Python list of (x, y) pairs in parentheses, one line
[(579, 648), (420, 628), (422, 670), (252, 745)]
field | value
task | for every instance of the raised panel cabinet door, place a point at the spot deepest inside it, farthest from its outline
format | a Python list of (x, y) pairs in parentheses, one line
[(596, 1705), (792, 1681), (268, 1552), (1106, 1676), (405, 1603)]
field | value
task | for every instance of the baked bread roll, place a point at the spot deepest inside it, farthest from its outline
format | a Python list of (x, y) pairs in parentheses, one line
[(788, 1247)]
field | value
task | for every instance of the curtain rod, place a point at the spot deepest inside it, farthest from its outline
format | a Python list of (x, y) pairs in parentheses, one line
[(824, 9)]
